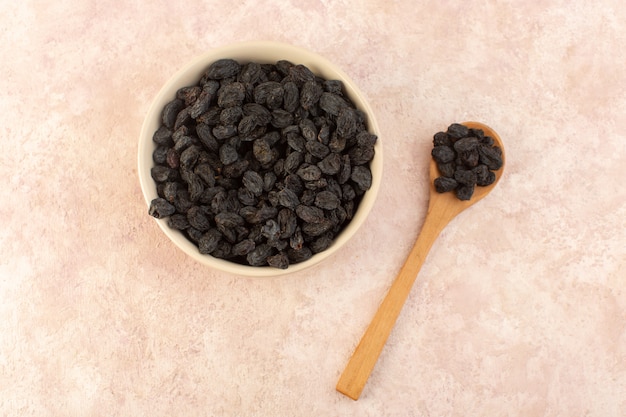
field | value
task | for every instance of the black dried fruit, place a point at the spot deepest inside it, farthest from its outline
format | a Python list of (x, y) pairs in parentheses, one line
[(490, 156), (465, 158), (445, 184), (308, 129), (457, 131), (332, 103), (243, 248), (327, 200), (467, 144), (317, 149), (360, 155), (246, 197), (170, 190), (310, 214), (182, 117), (227, 220), (236, 169), (301, 74), (170, 112), (317, 228), (294, 183), (331, 164), (464, 192), (231, 116), (269, 93), (160, 208), (189, 157), (443, 154), (271, 230), (346, 170), (189, 94), (231, 95), (293, 162), (202, 104), (195, 186), (222, 132), (222, 68), (288, 223), (366, 139), (253, 182), (347, 122), (281, 118), (288, 198), (223, 250), (209, 241), (198, 219), (258, 256), (362, 177), (178, 222), (162, 136), (465, 176), (228, 154), (159, 156), (321, 244), (261, 114), (447, 170), (310, 94), (262, 151), (211, 117), (291, 96), (162, 173), (333, 86), (309, 172), (484, 177), (301, 255), (296, 241), (280, 260), (441, 139), (262, 164), (337, 143)]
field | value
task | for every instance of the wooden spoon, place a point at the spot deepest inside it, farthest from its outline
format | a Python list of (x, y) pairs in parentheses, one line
[(442, 208)]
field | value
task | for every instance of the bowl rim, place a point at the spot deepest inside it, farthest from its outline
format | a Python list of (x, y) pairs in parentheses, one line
[(269, 52)]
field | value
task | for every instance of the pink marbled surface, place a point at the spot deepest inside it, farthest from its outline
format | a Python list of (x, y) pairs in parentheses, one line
[(520, 309)]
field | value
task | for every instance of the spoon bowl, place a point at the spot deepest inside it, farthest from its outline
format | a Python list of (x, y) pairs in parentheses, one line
[(442, 208), (448, 202)]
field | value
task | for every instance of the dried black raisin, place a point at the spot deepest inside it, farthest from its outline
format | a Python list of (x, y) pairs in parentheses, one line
[(222, 68), (310, 214), (253, 182), (443, 154), (209, 241), (258, 256), (362, 177), (160, 208), (327, 200), (280, 260), (445, 184), (288, 198), (457, 131)]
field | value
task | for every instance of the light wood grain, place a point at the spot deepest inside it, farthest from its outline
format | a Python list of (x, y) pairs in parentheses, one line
[(442, 208)]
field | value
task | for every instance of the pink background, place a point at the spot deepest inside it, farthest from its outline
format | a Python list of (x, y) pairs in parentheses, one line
[(519, 310)]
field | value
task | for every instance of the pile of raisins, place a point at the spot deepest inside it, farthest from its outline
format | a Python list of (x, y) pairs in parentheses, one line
[(466, 158), (261, 164)]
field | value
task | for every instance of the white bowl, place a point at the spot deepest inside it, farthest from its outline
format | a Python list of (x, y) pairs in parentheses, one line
[(261, 52)]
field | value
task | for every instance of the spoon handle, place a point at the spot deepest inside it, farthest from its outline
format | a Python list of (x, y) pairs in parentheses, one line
[(361, 364)]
